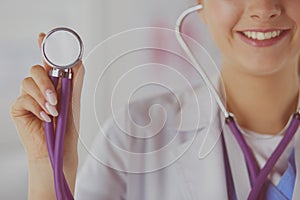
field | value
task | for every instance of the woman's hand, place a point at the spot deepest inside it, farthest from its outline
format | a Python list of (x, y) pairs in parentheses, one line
[(38, 101)]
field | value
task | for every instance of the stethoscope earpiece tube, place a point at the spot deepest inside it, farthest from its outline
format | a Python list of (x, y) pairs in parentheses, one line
[(192, 58)]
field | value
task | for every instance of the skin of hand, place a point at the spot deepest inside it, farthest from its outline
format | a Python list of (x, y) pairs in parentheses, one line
[(31, 109)]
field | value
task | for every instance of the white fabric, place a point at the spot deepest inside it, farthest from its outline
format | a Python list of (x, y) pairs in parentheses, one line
[(263, 146)]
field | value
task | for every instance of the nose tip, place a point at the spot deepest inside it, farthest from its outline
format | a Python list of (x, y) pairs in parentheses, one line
[(265, 16), (265, 11)]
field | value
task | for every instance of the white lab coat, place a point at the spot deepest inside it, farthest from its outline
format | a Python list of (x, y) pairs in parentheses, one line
[(183, 161)]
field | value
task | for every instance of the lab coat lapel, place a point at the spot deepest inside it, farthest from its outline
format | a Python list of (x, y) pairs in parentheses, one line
[(202, 168), (296, 194), (237, 164), (203, 178)]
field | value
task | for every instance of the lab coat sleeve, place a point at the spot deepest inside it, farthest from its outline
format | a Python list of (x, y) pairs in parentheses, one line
[(97, 178)]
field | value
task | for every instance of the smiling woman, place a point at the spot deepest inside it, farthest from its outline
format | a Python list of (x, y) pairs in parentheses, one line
[(259, 43)]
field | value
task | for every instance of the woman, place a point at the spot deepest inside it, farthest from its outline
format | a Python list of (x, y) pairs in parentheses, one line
[(259, 41)]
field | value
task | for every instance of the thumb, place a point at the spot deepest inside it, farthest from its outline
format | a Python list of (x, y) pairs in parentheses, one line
[(78, 75), (40, 41)]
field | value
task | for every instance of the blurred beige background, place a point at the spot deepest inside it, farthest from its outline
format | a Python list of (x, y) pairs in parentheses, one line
[(94, 20)]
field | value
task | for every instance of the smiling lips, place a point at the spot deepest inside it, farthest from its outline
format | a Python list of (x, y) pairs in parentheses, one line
[(262, 35), (262, 38)]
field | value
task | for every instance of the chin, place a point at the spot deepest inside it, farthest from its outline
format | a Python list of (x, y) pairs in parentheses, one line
[(264, 72), (263, 66), (263, 69)]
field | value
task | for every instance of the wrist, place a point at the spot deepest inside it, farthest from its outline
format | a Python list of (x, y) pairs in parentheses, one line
[(40, 180), (40, 177)]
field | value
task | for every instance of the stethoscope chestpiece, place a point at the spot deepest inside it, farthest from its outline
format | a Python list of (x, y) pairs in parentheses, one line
[(62, 48)]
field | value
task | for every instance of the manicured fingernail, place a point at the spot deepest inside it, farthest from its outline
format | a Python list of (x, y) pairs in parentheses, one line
[(51, 109), (45, 117), (51, 97)]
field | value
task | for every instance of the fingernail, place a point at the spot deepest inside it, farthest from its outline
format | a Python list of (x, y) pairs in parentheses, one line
[(45, 117), (51, 109), (51, 97)]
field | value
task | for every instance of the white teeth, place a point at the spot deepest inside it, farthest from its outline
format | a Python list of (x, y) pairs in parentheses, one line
[(268, 35), (262, 35)]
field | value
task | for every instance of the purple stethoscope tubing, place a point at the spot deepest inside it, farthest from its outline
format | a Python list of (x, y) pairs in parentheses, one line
[(55, 144), (257, 176), (56, 138), (249, 157)]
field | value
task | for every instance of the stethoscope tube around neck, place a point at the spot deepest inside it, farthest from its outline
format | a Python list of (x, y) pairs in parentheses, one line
[(196, 65), (257, 177)]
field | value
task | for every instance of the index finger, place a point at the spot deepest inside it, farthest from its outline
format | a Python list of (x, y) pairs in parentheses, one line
[(44, 83)]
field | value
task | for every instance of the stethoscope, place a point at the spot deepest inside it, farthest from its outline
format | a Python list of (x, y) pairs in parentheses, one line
[(62, 49), (257, 176)]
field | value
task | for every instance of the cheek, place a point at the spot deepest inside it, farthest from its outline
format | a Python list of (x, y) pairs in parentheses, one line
[(293, 13), (221, 18), (292, 10)]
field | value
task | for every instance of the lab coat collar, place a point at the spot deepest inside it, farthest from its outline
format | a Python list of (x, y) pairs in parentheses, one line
[(235, 155), (200, 112)]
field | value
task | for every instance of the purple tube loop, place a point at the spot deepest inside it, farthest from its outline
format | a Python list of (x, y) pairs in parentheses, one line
[(260, 180), (257, 177), (61, 186)]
